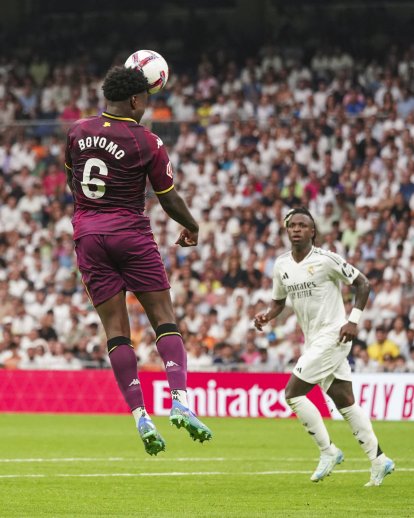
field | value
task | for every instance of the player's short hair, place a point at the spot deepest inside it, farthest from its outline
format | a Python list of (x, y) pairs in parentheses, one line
[(121, 83), (300, 210)]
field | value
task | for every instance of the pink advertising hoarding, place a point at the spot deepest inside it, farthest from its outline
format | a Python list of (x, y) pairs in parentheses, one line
[(210, 394)]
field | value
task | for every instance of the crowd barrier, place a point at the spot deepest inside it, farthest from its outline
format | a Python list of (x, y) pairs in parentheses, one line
[(383, 396)]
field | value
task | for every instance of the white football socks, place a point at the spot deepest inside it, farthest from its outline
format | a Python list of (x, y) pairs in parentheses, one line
[(140, 412), (362, 429), (180, 396), (312, 420)]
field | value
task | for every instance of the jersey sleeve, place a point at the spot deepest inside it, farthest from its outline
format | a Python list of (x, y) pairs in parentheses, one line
[(279, 291), (160, 173), (340, 269)]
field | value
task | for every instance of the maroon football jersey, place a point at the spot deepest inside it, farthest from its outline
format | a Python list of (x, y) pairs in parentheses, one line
[(110, 159)]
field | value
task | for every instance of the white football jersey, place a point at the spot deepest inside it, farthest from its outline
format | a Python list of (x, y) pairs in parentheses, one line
[(314, 288)]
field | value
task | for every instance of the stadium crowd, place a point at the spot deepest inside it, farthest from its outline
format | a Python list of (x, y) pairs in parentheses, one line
[(248, 142)]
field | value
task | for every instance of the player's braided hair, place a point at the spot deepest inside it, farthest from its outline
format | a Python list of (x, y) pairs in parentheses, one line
[(300, 210), (121, 83)]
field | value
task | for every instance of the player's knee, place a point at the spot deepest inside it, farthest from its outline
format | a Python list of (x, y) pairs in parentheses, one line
[(113, 343), (291, 393), (288, 395), (293, 402), (344, 401)]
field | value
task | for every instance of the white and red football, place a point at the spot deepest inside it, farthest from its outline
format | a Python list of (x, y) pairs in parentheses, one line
[(153, 66)]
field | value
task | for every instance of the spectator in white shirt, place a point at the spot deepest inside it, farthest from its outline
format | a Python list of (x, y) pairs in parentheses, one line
[(398, 335), (9, 214), (222, 107), (388, 300), (187, 139), (217, 131), (197, 356), (364, 364)]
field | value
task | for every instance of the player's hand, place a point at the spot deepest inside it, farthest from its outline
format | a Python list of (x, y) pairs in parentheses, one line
[(187, 238), (348, 332), (260, 320)]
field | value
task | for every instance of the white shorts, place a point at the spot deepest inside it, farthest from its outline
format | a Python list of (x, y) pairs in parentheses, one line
[(321, 364)]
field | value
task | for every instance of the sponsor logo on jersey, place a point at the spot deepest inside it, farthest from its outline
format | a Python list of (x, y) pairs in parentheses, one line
[(170, 363), (300, 290), (285, 276), (299, 286)]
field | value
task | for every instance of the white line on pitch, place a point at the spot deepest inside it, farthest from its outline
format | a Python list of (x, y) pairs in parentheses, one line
[(114, 459), (172, 459), (67, 459), (188, 474)]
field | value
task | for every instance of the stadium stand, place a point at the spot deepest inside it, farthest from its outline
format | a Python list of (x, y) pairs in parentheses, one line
[(248, 141)]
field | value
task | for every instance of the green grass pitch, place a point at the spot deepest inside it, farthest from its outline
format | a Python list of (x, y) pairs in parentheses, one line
[(95, 466)]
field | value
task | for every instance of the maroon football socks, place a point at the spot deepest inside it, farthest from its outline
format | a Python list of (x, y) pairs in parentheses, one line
[(124, 365), (172, 351)]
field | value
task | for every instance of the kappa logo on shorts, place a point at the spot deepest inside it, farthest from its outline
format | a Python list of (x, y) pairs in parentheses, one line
[(170, 363), (134, 382)]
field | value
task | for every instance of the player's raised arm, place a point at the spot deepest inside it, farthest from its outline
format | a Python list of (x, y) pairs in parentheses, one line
[(160, 175), (272, 312), (177, 209)]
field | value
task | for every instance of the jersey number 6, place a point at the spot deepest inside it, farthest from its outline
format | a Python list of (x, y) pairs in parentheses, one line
[(99, 185)]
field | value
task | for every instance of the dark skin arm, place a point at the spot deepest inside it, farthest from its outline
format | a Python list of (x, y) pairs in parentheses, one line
[(176, 208), (69, 176), (362, 288), (272, 312)]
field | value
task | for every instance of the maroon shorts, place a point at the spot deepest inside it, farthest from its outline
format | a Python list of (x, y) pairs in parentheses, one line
[(127, 261)]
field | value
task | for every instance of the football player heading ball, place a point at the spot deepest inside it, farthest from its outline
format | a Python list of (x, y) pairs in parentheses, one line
[(108, 161)]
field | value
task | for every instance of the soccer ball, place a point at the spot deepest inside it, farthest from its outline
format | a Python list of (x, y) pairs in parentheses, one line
[(153, 66)]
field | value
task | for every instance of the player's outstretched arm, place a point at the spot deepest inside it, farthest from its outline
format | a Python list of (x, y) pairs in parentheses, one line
[(362, 288), (177, 209), (272, 312)]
